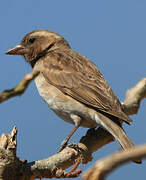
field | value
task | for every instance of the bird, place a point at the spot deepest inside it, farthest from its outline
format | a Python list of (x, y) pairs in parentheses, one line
[(73, 86)]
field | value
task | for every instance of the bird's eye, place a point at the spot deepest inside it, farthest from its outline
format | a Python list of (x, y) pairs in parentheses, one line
[(31, 40)]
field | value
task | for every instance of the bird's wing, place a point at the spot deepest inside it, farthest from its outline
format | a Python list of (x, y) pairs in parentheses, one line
[(79, 78)]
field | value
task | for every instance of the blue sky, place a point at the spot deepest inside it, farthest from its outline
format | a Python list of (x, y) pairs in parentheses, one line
[(110, 33)]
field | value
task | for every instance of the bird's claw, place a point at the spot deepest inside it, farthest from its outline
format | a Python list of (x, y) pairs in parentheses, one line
[(73, 172), (63, 145)]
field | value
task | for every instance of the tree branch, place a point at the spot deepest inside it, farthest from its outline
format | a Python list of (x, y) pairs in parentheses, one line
[(105, 166), (12, 168), (20, 88), (134, 96)]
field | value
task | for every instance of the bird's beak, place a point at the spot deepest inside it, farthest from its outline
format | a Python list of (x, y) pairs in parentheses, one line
[(17, 50)]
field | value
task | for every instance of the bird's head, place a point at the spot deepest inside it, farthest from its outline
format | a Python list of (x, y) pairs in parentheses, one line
[(36, 44)]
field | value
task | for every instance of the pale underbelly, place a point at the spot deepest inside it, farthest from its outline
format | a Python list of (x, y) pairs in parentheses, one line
[(64, 105), (65, 109)]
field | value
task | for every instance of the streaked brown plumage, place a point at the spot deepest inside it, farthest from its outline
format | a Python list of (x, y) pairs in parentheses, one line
[(71, 85)]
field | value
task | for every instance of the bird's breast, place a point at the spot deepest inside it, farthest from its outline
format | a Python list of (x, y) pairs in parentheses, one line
[(62, 104), (46, 91)]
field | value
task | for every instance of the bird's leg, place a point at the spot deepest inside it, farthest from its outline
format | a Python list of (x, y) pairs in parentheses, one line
[(73, 172), (77, 121), (65, 141)]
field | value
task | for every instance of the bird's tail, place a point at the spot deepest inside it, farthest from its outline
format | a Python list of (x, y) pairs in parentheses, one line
[(118, 133)]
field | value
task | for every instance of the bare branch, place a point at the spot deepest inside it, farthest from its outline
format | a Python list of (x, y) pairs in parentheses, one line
[(103, 167), (20, 88), (11, 168), (134, 96), (54, 166), (8, 160)]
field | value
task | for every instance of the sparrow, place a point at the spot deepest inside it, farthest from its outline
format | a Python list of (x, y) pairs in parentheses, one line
[(72, 86)]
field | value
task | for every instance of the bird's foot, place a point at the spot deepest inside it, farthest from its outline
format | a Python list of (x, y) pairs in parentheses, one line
[(63, 144), (73, 172)]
